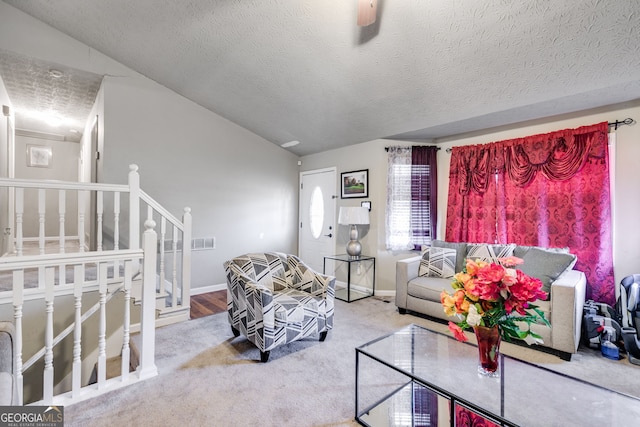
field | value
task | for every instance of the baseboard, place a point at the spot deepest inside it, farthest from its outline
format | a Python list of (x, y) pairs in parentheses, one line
[(206, 289), (380, 293)]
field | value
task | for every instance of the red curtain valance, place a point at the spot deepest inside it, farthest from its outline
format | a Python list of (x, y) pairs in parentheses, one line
[(558, 156)]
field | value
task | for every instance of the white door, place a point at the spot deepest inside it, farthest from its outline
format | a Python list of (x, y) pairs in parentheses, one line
[(317, 216)]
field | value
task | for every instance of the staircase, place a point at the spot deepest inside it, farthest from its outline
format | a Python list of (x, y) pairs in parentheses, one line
[(110, 285)]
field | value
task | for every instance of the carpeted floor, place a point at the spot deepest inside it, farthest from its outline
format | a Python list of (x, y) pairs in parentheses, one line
[(208, 378)]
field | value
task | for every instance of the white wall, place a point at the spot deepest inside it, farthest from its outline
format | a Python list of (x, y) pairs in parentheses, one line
[(64, 167), (238, 185), (371, 155)]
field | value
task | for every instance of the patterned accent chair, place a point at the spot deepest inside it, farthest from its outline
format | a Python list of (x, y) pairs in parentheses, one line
[(274, 299)]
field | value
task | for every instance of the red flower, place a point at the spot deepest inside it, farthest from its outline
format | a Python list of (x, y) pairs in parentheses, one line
[(492, 273), (457, 332)]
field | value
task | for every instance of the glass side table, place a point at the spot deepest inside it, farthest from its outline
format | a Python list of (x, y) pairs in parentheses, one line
[(365, 268)]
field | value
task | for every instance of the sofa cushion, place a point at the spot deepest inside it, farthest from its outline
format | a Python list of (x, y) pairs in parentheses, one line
[(489, 253), (429, 288), (461, 252), (521, 250), (546, 265), (438, 262)]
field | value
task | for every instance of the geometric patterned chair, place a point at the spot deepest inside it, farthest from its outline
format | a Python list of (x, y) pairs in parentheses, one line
[(274, 299)]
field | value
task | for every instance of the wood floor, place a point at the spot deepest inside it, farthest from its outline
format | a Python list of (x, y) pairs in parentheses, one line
[(208, 304)]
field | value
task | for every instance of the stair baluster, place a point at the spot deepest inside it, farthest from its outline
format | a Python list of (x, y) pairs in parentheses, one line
[(18, 300), (126, 351), (76, 384), (102, 331), (47, 388)]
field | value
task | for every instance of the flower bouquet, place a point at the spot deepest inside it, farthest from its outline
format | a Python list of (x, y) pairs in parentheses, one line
[(496, 296)]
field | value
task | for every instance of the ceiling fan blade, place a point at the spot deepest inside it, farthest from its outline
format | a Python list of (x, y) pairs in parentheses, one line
[(367, 12)]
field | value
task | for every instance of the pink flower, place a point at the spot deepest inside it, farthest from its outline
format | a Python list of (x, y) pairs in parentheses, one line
[(458, 333), (491, 273)]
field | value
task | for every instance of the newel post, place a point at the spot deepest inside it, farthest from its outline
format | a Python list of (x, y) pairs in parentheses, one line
[(147, 366), (186, 258), (134, 207)]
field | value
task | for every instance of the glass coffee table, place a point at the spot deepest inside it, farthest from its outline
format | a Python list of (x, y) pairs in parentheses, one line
[(419, 377)]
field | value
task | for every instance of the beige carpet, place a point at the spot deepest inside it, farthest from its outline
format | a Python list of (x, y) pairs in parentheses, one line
[(208, 378)]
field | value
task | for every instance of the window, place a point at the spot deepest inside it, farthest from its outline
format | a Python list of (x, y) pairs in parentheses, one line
[(411, 197), (316, 212)]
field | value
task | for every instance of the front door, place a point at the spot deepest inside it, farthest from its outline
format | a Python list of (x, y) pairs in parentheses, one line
[(317, 216)]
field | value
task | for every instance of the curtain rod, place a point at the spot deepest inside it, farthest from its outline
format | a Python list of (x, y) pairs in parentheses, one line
[(437, 148), (627, 121)]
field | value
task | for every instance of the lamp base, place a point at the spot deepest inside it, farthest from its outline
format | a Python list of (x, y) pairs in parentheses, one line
[(354, 248)]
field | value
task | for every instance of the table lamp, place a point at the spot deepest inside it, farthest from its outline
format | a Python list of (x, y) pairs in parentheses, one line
[(353, 216)]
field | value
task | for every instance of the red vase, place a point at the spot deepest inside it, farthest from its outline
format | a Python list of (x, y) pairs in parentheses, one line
[(488, 350)]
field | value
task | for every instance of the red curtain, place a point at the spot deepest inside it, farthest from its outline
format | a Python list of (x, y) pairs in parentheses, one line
[(474, 198), (549, 190)]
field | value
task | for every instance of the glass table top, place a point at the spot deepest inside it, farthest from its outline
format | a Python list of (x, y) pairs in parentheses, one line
[(350, 258), (524, 394)]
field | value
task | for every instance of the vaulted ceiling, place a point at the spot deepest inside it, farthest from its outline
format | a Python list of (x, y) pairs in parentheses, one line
[(303, 70)]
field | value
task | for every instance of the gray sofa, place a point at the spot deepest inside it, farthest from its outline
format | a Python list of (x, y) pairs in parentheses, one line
[(8, 392), (554, 267)]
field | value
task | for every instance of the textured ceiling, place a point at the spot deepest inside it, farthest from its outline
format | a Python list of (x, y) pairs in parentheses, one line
[(34, 90), (302, 70)]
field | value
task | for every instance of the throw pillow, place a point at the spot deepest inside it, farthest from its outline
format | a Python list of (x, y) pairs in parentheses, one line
[(438, 262), (460, 248), (546, 265), (489, 253)]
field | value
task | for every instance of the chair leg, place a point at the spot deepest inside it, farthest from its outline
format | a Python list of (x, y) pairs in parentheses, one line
[(236, 333), (323, 335), (264, 356)]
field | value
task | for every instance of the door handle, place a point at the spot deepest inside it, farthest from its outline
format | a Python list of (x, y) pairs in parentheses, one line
[(329, 235)]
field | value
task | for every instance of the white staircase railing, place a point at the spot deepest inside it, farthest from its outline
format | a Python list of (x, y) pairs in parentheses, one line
[(93, 200), (95, 243), (79, 286)]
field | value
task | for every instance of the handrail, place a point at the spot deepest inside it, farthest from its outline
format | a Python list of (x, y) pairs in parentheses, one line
[(62, 185), (161, 210), (53, 260)]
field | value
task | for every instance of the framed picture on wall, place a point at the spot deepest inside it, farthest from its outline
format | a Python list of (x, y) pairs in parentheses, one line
[(39, 156), (354, 184)]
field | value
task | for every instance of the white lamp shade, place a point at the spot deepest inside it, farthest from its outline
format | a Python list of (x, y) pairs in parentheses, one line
[(353, 215)]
